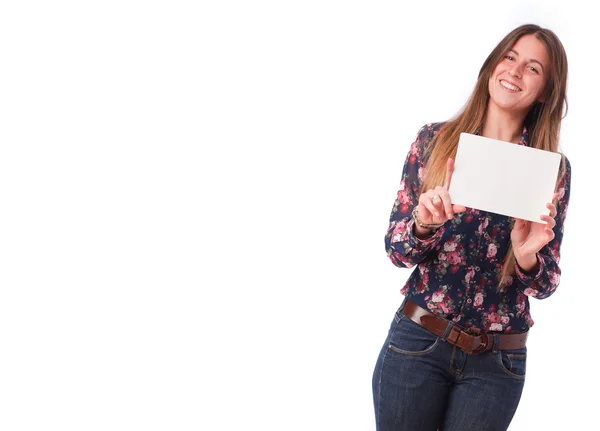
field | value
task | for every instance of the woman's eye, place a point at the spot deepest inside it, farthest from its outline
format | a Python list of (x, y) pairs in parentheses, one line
[(509, 57), (533, 69)]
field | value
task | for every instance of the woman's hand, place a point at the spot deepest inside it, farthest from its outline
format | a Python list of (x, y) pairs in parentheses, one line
[(528, 237), (435, 205)]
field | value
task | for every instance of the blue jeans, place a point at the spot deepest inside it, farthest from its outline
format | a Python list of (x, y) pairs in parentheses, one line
[(423, 383)]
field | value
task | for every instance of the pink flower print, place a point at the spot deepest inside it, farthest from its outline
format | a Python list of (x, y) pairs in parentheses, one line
[(530, 292), (414, 149), (496, 327), (483, 225), (554, 278), (470, 275), (442, 257), (422, 172), (504, 320), (529, 320), (425, 277), (437, 297), (454, 258), (494, 317), (478, 299), (403, 197), (430, 305), (450, 246), (398, 231), (444, 307), (491, 250)]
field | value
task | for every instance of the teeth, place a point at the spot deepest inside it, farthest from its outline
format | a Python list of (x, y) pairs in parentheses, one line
[(509, 86)]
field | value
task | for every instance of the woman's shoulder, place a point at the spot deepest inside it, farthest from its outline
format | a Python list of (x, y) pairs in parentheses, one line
[(564, 171), (431, 129), (427, 133)]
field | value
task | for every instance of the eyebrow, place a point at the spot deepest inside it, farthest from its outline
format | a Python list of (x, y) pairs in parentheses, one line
[(531, 59)]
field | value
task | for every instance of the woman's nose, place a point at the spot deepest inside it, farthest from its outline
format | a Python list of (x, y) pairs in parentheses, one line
[(515, 71)]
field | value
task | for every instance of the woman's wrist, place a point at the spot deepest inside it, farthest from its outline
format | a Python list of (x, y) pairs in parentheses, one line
[(527, 263), (421, 232)]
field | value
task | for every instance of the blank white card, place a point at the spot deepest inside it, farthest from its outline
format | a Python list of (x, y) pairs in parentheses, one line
[(503, 178)]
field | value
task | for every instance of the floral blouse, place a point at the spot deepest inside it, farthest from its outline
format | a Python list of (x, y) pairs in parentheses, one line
[(459, 267)]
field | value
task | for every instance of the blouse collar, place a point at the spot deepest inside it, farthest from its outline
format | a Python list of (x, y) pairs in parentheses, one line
[(524, 137)]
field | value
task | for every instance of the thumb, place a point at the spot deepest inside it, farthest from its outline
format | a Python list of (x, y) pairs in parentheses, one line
[(519, 224)]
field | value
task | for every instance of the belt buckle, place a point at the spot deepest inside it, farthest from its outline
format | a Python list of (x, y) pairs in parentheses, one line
[(484, 343)]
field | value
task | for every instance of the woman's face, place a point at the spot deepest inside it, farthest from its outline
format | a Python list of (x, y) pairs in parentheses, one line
[(518, 81)]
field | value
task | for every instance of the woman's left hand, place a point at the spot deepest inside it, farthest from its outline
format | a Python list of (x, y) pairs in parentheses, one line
[(528, 237)]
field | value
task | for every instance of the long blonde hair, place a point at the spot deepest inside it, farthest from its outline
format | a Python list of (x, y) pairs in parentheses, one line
[(542, 121)]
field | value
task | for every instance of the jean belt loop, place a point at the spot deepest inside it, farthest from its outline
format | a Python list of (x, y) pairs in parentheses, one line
[(495, 343), (449, 329)]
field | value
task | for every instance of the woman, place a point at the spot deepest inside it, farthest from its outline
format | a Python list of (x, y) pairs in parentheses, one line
[(455, 354)]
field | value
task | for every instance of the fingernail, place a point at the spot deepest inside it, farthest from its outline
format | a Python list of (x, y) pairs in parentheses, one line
[(437, 214)]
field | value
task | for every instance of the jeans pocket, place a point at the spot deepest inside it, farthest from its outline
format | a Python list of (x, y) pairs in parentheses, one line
[(513, 362), (409, 338)]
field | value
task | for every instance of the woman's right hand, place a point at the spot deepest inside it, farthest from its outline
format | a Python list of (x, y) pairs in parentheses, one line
[(435, 205)]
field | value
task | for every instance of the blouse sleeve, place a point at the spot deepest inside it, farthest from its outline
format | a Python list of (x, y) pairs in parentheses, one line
[(542, 283), (403, 248)]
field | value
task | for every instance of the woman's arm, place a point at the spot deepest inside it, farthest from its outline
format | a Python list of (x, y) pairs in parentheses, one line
[(543, 277), (403, 245)]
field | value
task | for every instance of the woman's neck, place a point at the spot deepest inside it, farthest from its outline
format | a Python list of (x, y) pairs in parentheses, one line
[(502, 125)]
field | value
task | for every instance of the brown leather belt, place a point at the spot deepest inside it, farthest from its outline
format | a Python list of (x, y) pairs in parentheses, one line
[(472, 344)]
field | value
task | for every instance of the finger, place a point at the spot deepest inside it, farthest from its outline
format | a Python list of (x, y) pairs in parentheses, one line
[(438, 202), (519, 224), (555, 197), (549, 235), (438, 205), (550, 222), (458, 208), (425, 201), (445, 198), (552, 209), (449, 171)]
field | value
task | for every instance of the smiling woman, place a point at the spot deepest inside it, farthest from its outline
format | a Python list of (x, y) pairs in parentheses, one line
[(461, 331), (518, 81)]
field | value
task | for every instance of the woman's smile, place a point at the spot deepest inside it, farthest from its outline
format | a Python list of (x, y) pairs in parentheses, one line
[(509, 86)]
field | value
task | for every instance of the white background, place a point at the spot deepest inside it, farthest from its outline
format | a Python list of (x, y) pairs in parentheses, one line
[(194, 196)]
